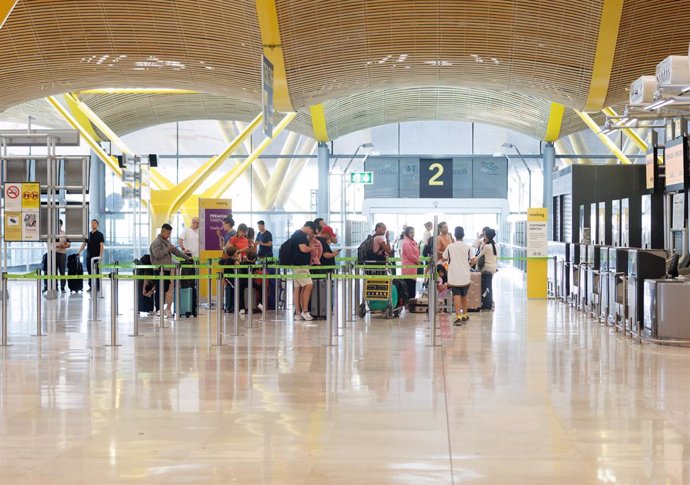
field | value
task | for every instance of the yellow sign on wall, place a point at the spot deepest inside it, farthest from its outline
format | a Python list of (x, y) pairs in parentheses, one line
[(13, 226), (31, 196), (537, 252)]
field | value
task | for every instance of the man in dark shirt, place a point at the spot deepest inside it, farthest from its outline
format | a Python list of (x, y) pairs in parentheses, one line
[(301, 250), (94, 249), (327, 237), (264, 241)]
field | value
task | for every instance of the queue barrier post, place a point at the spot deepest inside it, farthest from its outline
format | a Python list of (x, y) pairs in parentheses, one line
[(210, 288), (113, 310), (264, 290), (250, 297), (343, 307), (4, 310), (135, 284), (219, 310), (236, 307), (161, 298), (117, 271), (95, 289), (178, 284), (39, 318), (329, 309)]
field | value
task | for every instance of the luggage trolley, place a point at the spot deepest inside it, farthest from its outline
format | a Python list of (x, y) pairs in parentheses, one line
[(380, 296)]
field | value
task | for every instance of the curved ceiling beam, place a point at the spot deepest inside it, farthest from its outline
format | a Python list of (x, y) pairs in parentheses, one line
[(603, 58), (553, 128), (267, 15)]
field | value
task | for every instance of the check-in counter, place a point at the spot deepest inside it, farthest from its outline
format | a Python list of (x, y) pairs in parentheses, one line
[(618, 268), (556, 268), (574, 273), (604, 283), (593, 272), (666, 310), (583, 271), (643, 264)]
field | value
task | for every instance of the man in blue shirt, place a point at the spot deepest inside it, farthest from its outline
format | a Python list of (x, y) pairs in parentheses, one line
[(264, 241)]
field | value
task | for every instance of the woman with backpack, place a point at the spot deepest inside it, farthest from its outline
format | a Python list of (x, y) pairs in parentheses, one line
[(487, 263)]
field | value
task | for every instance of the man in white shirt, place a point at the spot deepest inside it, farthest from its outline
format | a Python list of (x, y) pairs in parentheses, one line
[(61, 245), (189, 239), (459, 256), (428, 226)]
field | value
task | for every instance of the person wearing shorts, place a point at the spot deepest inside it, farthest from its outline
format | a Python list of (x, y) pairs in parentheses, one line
[(302, 284), (459, 258)]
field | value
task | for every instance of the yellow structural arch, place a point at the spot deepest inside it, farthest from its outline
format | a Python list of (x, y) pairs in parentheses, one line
[(622, 157), (267, 14), (6, 7), (553, 127), (318, 122), (630, 133), (186, 188), (224, 183), (607, 39)]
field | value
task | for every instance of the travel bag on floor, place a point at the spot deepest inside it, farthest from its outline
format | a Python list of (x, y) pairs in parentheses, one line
[(74, 267), (188, 302), (418, 305), (317, 304), (474, 294)]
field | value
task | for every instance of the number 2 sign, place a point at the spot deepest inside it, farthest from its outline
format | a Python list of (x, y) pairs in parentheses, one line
[(436, 178)]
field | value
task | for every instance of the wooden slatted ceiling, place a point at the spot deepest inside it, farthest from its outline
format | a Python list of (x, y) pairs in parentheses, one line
[(50, 47), (522, 113), (649, 32), (347, 47)]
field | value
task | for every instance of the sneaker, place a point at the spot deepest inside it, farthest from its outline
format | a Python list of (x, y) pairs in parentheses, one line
[(465, 318), (260, 307), (458, 320), (151, 314), (243, 311), (307, 316), (298, 316), (168, 314)]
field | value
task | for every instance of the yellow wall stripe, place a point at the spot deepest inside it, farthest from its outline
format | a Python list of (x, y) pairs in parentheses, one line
[(318, 122), (273, 49), (603, 58), (6, 7), (553, 128)]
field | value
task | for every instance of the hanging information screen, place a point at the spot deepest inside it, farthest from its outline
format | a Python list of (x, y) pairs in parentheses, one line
[(436, 178)]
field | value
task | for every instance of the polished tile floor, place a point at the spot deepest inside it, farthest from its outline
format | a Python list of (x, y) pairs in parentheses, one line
[(533, 393)]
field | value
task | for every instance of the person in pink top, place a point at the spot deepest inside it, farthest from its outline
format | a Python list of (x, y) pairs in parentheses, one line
[(317, 249), (410, 257)]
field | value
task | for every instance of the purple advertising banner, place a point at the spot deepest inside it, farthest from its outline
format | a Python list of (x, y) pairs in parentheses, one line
[(214, 223), (212, 212)]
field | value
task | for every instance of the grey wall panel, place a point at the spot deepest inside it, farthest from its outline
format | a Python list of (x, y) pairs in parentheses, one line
[(490, 178), (462, 178)]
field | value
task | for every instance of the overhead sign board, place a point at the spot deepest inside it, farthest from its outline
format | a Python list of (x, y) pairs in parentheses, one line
[(436, 178), (675, 161), (365, 178), (267, 95)]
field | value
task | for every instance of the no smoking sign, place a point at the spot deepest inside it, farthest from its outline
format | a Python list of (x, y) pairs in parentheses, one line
[(13, 200)]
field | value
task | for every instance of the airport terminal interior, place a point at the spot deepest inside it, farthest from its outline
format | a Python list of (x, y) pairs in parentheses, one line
[(345, 242)]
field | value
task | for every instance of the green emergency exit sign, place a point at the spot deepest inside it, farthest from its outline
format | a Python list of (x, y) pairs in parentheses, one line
[(366, 178)]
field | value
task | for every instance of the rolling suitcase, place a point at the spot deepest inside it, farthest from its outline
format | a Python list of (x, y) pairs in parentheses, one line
[(188, 302), (74, 267), (145, 302), (317, 303), (418, 305), (474, 295)]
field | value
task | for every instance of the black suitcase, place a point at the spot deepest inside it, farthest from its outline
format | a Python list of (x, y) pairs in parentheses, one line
[(146, 303), (74, 267), (317, 303), (187, 269)]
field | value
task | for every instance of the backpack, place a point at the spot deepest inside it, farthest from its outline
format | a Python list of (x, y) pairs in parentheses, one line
[(286, 255), (428, 247), (365, 250)]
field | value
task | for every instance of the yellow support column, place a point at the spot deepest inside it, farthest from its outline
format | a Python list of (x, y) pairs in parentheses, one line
[(622, 157)]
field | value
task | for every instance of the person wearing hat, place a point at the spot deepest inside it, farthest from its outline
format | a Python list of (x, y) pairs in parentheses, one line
[(327, 237), (487, 263)]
